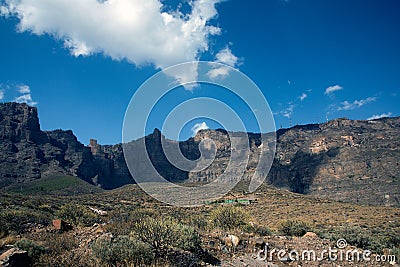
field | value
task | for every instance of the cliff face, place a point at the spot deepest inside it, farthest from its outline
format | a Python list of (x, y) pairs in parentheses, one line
[(346, 160), (342, 160), (27, 153)]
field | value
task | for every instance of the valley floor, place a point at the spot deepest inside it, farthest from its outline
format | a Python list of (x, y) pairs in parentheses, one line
[(277, 217)]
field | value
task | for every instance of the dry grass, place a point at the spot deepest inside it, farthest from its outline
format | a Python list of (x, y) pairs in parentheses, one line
[(30, 216)]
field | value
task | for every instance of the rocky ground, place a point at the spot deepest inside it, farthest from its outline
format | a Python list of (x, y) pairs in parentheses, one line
[(29, 217)]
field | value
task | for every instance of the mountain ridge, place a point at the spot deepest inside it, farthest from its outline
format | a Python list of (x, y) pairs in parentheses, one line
[(342, 159)]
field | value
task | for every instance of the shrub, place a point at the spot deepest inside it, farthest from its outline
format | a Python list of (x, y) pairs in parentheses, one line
[(199, 222), (77, 215), (164, 234), (8, 240), (3, 230), (396, 253), (229, 217), (357, 236), (123, 223), (293, 228), (13, 220), (122, 250), (59, 243), (258, 230), (34, 250)]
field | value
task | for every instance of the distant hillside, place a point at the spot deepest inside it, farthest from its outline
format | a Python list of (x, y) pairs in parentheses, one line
[(58, 184), (342, 159)]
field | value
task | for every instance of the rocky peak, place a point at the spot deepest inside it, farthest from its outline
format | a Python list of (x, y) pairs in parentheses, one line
[(19, 121)]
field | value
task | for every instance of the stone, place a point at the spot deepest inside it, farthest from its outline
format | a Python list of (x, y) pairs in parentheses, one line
[(61, 225), (15, 257), (310, 235)]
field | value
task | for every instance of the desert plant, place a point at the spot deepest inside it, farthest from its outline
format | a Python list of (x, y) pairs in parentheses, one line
[(122, 250), (293, 228), (356, 236), (165, 234), (258, 230), (229, 217), (77, 215), (8, 240), (3, 230), (13, 220), (34, 250), (396, 253)]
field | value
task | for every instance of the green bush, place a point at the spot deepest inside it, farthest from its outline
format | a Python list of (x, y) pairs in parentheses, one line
[(199, 222), (357, 236), (34, 250), (229, 217), (13, 220), (293, 228), (165, 234), (3, 230), (258, 230), (77, 215), (122, 250), (396, 253)]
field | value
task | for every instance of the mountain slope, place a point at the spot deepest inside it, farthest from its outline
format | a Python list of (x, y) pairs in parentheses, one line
[(342, 159)]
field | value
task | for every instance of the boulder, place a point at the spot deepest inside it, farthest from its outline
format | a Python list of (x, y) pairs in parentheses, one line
[(61, 225), (310, 235), (15, 257)]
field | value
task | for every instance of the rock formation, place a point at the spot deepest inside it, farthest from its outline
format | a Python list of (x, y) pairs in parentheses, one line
[(342, 159)]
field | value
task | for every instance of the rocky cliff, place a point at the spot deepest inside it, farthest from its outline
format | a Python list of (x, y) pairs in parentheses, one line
[(28, 153), (342, 159)]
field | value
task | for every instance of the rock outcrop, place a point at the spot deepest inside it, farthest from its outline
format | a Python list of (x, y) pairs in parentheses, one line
[(27, 153)]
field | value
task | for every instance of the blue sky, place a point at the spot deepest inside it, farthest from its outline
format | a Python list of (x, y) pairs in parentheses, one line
[(80, 62)]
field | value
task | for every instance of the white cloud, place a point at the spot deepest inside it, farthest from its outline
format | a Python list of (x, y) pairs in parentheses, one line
[(24, 89), (218, 72), (225, 56), (288, 111), (346, 105), (1, 94), (332, 89), (184, 74), (383, 115), (138, 31), (303, 96), (25, 98), (199, 126)]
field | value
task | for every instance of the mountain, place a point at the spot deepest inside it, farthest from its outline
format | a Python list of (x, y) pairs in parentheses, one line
[(342, 159)]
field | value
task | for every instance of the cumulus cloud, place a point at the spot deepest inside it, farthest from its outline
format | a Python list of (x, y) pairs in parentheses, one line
[(24, 89), (199, 126), (1, 94), (25, 96), (221, 72), (139, 31), (225, 56), (346, 105), (303, 96), (332, 89), (383, 115)]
